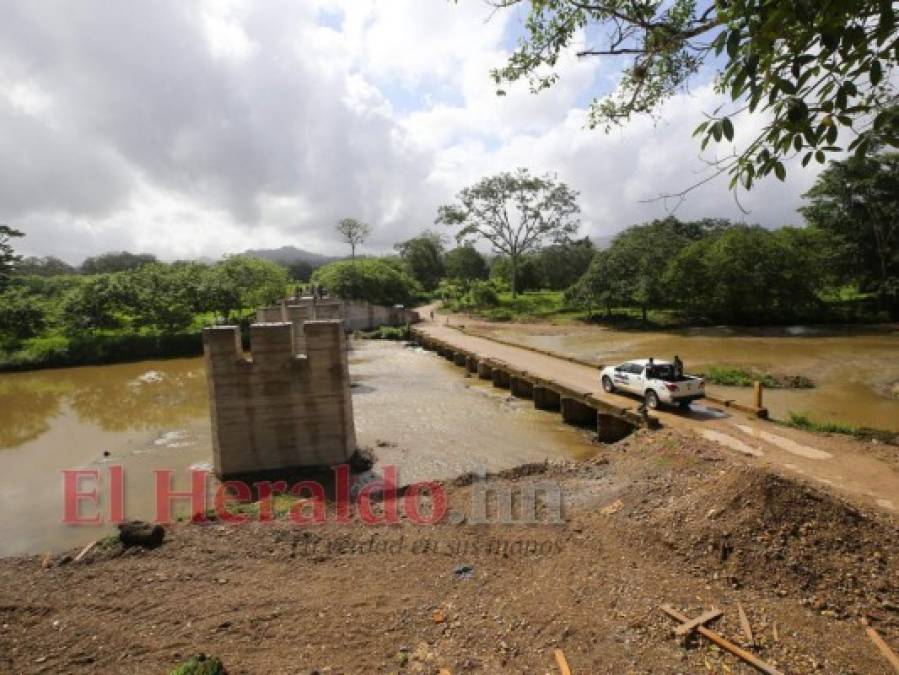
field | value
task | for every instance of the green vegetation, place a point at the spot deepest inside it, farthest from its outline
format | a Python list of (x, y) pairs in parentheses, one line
[(745, 377), (377, 280), (804, 422), (842, 267), (401, 333), (515, 213), (152, 310), (201, 665), (816, 76)]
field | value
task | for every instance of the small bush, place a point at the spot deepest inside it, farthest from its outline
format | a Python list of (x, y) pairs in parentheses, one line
[(201, 665)]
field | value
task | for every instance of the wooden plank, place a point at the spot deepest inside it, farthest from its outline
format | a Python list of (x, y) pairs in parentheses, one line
[(686, 628), (745, 625), (562, 662), (724, 643), (87, 549), (883, 647)]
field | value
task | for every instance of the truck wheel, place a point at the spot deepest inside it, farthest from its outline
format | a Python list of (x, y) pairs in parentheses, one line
[(607, 385), (652, 399)]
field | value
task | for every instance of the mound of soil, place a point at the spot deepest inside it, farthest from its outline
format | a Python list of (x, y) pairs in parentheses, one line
[(767, 531)]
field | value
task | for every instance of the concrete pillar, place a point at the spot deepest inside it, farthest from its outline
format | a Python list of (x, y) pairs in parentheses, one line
[(459, 358), (521, 388), (611, 429), (485, 372), (546, 399), (577, 413), (501, 378), (471, 364)]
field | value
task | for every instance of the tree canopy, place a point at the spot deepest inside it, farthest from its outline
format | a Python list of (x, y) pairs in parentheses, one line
[(465, 264), (817, 74), (857, 201), (118, 261), (423, 257), (373, 279), (515, 213), (8, 257)]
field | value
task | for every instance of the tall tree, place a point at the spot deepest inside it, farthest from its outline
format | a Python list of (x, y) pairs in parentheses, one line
[(810, 70), (423, 257), (8, 257), (857, 200), (515, 212), (560, 265), (466, 264), (354, 233)]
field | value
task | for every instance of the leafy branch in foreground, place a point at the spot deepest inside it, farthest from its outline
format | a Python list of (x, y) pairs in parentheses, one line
[(817, 72)]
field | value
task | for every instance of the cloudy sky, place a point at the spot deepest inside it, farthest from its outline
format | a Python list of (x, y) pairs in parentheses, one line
[(195, 128)]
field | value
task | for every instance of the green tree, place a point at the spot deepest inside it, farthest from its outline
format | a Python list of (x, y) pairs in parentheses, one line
[(246, 282), (354, 233), (8, 258), (527, 274), (465, 264), (378, 281), (48, 266), (516, 213), (423, 257), (857, 201), (638, 258), (811, 71), (561, 265), (96, 303), (600, 286), (121, 261), (746, 274), (159, 299), (22, 315)]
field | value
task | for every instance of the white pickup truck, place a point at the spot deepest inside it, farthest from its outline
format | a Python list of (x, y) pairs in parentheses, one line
[(656, 384)]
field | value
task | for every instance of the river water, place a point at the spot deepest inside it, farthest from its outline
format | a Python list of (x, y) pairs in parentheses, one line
[(412, 408), (854, 370)]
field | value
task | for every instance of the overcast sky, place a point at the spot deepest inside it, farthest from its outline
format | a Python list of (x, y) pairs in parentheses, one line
[(193, 128)]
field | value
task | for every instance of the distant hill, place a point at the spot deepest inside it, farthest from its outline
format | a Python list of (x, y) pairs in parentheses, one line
[(290, 254)]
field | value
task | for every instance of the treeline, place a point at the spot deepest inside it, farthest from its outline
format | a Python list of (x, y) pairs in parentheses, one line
[(149, 309)]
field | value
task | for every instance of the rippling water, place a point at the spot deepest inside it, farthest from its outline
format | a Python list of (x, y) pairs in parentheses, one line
[(412, 408)]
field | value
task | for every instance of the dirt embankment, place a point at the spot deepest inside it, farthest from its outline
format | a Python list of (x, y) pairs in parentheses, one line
[(657, 518)]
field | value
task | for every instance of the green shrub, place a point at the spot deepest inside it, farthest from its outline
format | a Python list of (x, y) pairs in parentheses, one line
[(373, 279), (200, 665)]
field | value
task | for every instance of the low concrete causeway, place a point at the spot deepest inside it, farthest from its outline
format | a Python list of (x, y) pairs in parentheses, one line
[(577, 406)]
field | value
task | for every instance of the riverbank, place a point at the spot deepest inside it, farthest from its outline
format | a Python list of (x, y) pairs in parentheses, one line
[(854, 369), (657, 518)]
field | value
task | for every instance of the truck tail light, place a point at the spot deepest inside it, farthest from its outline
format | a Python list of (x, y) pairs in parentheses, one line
[(670, 387)]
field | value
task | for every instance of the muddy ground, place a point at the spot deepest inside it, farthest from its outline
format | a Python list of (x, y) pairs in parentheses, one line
[(657, 518)]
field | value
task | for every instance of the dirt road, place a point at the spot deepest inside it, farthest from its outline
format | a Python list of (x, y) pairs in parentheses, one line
[(866, 471)]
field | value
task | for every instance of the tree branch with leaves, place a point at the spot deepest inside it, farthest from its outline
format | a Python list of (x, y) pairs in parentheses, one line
[(819, 73)]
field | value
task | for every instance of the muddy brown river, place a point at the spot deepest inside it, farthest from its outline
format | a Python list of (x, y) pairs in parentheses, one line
[(854, 370), (412, 408)]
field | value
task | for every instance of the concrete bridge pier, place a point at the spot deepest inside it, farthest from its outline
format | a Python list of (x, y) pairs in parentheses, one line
[(521, 387), (501, 379), (577, 413), (545, 398), (485, 372), (611, 429), (471, 364)]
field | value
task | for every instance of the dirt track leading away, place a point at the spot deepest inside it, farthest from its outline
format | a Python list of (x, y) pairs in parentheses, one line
[(863, 470), (659, 517)]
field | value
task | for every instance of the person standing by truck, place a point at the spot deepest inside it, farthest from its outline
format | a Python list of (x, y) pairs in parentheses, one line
[(678, 368)]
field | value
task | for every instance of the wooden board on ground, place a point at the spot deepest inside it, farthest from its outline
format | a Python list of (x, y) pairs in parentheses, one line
[(724, 643)]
